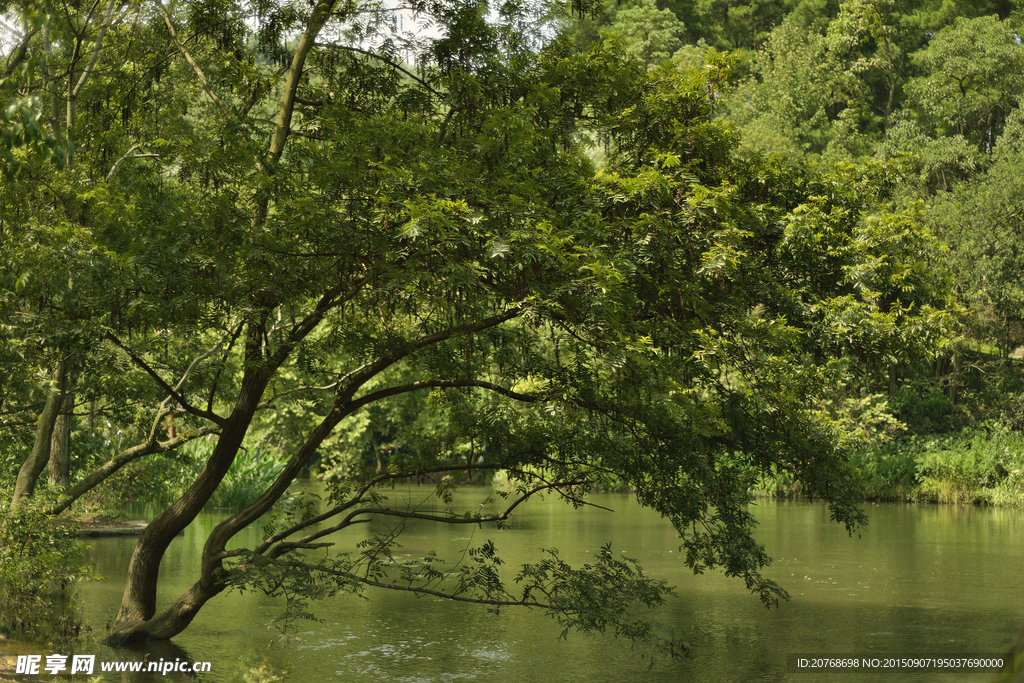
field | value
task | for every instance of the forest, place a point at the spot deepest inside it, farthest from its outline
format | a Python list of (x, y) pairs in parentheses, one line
[(702, 252)]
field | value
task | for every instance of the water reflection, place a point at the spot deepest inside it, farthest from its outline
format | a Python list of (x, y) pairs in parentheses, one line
[(918, 579)]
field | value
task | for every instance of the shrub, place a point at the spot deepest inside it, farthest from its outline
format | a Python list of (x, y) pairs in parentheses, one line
[(981, 465), (887, 471), (926, 413), (41, 559)]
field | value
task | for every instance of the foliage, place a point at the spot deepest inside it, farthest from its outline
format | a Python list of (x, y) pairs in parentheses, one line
[(305, 244), (252, 470), (975, 466), (600, 597), (888, 471), (971, 80), (790, 104), (980, 218), (868, 420), (596, 598), (41, 559), (926, 412), (980, 466), (652, 35)]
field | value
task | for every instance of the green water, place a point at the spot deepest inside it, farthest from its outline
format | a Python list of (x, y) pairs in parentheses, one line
[(936, 580)]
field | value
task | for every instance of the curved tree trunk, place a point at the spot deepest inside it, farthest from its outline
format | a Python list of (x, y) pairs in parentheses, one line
[(138, 605), (135, 620), (33, 466)]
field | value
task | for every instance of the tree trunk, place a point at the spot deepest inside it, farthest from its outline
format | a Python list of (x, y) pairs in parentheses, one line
[(60, 443), (33, 466), (954, 380), (375, 443), (138, 605), (134, 622), (137, 621)]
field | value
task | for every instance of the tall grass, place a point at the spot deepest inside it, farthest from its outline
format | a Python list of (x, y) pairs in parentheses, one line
[(252, 471), (977, 466), (982, 465)]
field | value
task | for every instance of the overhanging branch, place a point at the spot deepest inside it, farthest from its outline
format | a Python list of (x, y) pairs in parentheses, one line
[(412, 589), (442, 384), (354, 500), (350, 519), (205, 414)]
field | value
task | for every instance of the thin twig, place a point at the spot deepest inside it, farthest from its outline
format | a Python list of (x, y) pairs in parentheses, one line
[(191, 62), (125, 156), (205, 414)]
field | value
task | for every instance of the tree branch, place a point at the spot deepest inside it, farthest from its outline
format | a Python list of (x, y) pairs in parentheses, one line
[(352, 502), (120, 460), (19, 56), (205, 414), (379, 57), (350, 518), (339, 410), (191, 62), (74, 92), (220, 370), (411, 589), (330, 300), (113, 169), (365, 373), (321, 13), (441, 384), (84, 78)]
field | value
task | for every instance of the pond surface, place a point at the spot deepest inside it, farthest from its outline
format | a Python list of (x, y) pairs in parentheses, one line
[(920, 580)]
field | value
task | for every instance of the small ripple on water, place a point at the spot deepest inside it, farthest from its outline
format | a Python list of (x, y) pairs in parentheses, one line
[(491, 655)]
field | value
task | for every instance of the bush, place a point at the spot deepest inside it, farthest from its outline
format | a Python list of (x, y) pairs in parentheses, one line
[(981, 466), (41, 559), (887, 471), (926, 413)]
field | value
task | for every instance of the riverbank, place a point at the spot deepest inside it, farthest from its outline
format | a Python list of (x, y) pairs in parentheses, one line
[(96, 527), (980, 466)]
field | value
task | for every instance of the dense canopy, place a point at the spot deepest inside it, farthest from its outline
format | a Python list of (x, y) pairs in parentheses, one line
[(473, 245)]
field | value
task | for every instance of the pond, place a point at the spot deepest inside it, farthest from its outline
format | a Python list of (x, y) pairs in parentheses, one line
[(920, 580)]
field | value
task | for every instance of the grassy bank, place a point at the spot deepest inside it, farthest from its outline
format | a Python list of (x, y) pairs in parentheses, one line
[(979, 465)]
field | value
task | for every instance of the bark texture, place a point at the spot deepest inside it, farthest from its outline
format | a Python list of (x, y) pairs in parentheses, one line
[(34, 465), (60, 443)]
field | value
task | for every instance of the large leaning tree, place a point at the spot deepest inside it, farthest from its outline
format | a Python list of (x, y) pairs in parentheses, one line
[(249, 204)]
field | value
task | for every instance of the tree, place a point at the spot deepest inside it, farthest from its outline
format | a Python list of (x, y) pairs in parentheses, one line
[(272, 205), (798, 101), (980, 220), (652, 35)]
